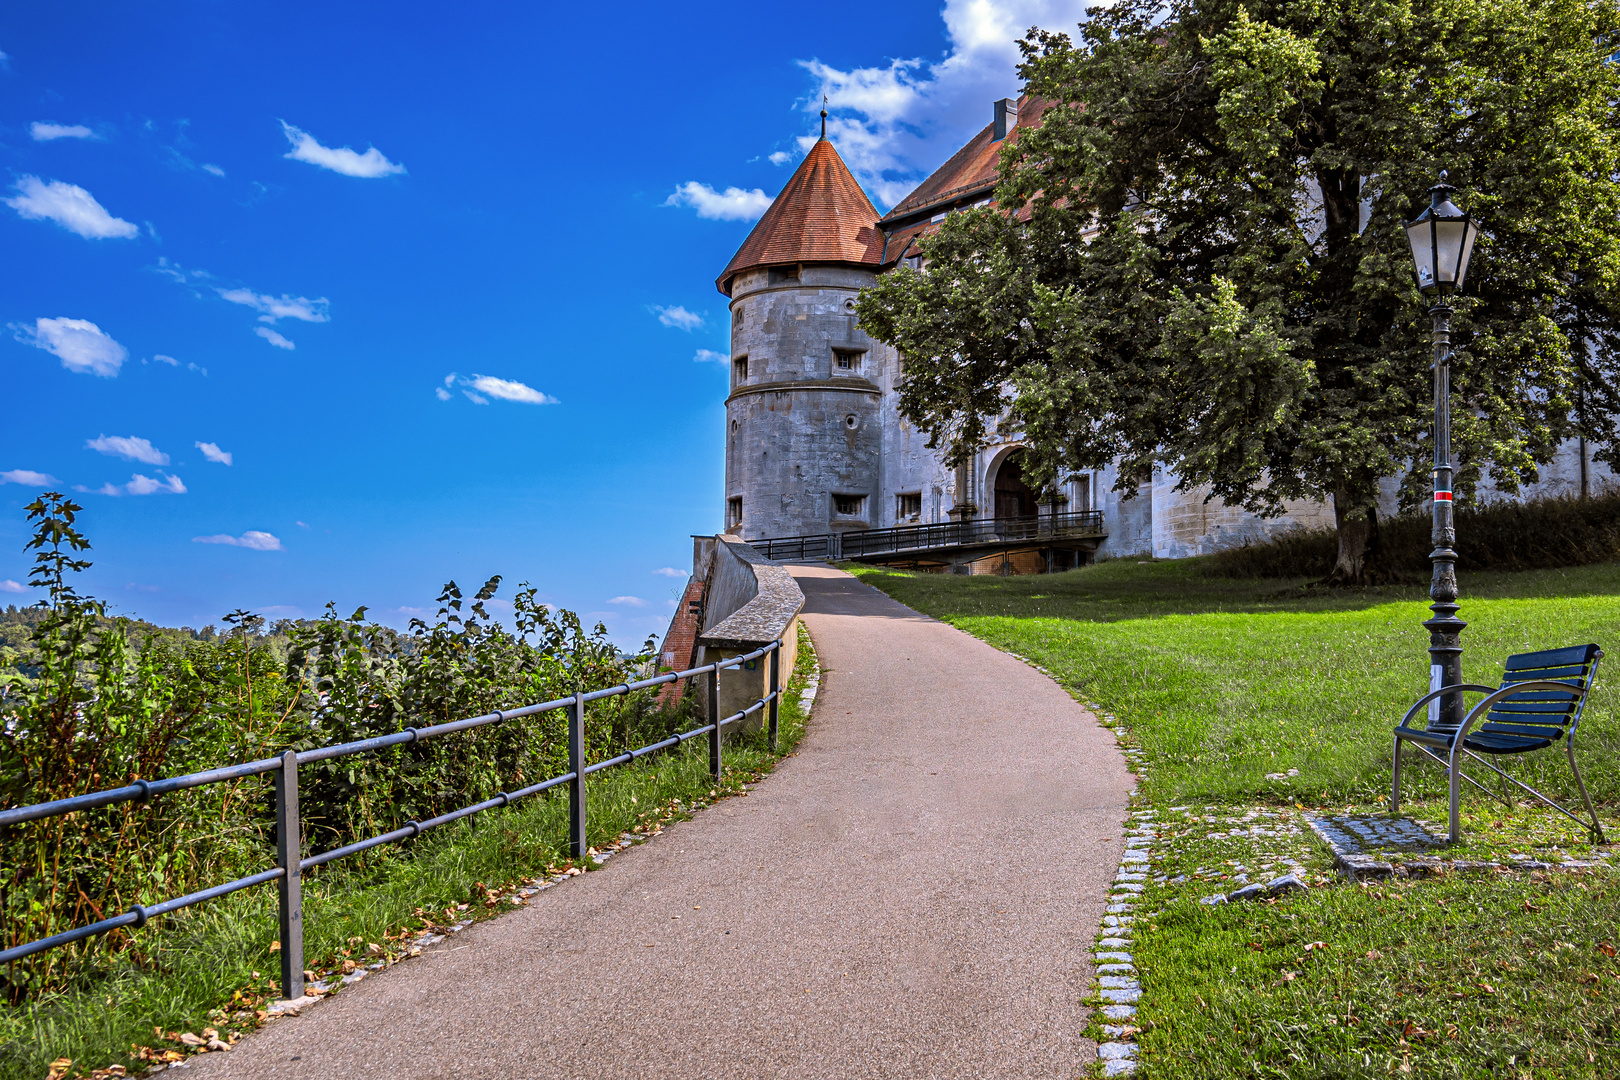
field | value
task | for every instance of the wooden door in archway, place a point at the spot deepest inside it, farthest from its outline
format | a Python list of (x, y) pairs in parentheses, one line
[(1013, 497)]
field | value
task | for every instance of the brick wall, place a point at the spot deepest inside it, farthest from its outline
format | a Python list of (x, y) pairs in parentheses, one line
[(680, 643)]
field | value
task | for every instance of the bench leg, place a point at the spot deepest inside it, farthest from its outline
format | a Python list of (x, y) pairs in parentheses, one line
[(1455, 775), (1597, 828), (1395, 785)]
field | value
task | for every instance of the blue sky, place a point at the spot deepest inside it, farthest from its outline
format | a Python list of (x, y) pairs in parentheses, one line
[(335, 303)]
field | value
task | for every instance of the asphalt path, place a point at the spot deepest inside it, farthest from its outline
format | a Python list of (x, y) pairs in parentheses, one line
[(912, 895)]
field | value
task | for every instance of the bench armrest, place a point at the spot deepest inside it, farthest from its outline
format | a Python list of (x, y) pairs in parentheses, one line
[(1431, 695)]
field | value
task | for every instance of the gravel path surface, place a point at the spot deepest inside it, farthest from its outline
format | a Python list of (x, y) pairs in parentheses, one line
[(913, 895)]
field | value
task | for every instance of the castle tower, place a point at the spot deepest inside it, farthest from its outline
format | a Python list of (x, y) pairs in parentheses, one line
[(803, 430)]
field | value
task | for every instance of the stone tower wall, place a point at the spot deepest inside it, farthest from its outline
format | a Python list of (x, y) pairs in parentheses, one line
[(800, 430)]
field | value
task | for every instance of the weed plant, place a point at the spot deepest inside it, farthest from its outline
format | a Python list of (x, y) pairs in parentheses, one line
[(102, 708)]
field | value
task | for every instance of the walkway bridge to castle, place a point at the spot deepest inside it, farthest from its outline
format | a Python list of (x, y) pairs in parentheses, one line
[(977, 545)]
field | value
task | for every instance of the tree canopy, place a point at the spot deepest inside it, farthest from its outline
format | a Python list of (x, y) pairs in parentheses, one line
[(1197, 262)]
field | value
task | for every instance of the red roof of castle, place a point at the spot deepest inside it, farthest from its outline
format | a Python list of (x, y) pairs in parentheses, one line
[(974, 166), (821, 216)]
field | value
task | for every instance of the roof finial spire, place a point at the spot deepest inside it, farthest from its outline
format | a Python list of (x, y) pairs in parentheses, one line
[(823, 117)]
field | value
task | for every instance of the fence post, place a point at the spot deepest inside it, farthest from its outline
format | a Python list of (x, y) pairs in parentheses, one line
[(289, 856), (576, 788), (714, 719), (775, 688)]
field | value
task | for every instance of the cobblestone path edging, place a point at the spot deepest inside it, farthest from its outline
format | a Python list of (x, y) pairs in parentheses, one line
[(1119, 986)]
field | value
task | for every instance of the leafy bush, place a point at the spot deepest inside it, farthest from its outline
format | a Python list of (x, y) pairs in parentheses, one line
[(99, 709), (1535, 535)]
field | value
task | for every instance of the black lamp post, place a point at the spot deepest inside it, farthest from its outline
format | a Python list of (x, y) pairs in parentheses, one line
[(1442, 240)]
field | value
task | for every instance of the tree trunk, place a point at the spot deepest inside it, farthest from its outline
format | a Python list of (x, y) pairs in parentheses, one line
[(1357, 520)]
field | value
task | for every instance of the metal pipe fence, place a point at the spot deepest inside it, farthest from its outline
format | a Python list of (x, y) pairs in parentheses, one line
[(290, 863), (855, 544)]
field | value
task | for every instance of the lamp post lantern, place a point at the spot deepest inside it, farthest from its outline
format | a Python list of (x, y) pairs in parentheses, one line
[(1442, 240)]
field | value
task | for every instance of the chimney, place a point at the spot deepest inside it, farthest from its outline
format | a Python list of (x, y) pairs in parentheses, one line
[(1006, 118)]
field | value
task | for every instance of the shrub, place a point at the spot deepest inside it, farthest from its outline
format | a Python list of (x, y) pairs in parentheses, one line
[(1541, 533), (97, 709)]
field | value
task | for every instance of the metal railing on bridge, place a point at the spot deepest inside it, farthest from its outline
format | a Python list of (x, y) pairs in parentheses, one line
[(290, 863), (974, 532)]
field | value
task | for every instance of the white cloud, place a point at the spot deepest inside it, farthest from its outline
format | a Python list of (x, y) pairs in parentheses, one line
[(128, 447), (80, 345), (214, 170), (139, 485), (508, 390), (669, 571), (480, 388), (252, 539), (678, 317), (171, 361), (45, 131), (340, 160), (781, 157), (273, 338), (709, 356), (279, 307), (629, 601), (12, 586), (212, 452), (301, 525), (732, 204), (145, 485), (69, 206), (26, 476), (271, 308), (179, 273), (896, 122)]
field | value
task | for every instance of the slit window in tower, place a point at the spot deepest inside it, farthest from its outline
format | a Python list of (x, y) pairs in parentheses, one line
[(734, 512), (739, 368), (908, 506), (848, 505), (847, 360)]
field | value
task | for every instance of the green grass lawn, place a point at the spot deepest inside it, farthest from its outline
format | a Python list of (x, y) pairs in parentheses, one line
[(1224, 681), (1220, 682), (212, 965)]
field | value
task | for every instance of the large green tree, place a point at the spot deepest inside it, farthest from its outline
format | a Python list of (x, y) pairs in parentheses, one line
[(1205, 270)]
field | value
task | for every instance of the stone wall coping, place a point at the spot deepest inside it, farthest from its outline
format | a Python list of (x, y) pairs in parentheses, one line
[(767, 616), (857, 384)]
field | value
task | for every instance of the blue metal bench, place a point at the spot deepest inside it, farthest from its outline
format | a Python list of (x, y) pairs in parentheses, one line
[(1539, 702)]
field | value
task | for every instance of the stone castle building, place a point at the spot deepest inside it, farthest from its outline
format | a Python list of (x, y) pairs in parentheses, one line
[(815, 442)]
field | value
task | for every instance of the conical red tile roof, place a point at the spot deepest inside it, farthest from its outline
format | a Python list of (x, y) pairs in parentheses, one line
[(821, 216)]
